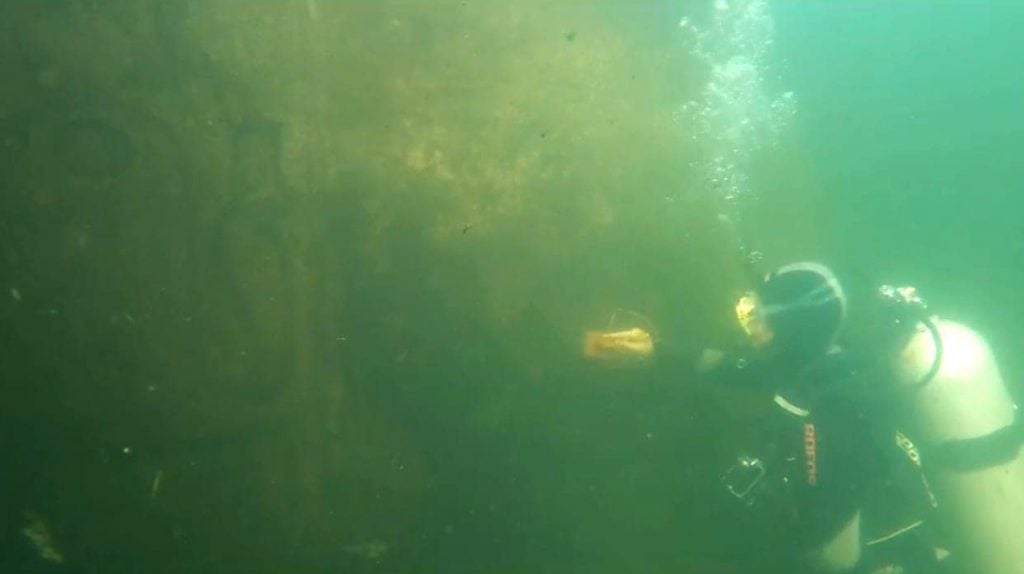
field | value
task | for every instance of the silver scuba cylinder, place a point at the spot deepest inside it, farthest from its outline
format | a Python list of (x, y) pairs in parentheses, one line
[(964, 420)]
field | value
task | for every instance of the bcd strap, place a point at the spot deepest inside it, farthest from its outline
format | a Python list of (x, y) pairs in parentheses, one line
[(982, 452)]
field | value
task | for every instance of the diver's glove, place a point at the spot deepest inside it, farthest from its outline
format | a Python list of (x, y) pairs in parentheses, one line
[(719, 367), (709, 360)]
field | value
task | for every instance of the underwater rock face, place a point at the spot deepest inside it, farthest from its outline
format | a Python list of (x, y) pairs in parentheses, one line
[(373, 550), (93, 149), (301, 277)]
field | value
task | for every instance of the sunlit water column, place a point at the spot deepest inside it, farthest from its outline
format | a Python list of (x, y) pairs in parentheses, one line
[(735, 117)]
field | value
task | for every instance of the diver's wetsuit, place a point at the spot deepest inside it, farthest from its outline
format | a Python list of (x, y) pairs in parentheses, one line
[(822, 440), (827, 442)]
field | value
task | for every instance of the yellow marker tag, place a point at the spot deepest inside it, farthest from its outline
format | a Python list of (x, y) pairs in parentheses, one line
[(631, 343)]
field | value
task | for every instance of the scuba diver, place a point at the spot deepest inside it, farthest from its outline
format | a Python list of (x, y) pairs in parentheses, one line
[(843, 424)]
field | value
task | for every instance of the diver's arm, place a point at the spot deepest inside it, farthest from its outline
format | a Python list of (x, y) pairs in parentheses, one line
[(710, 366)]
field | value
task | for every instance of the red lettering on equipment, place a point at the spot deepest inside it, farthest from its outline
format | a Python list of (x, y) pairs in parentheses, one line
[(811, 453)]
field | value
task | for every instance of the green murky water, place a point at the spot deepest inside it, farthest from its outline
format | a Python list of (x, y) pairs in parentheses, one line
[(302, 286)]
